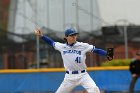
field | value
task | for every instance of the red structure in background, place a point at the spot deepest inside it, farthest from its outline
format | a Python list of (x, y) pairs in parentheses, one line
[(18, 60)]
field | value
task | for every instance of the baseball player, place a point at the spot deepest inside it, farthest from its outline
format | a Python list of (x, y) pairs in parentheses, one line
[(134, 68), (74, 54)]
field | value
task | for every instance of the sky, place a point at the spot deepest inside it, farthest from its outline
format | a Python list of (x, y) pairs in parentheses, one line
[(120, 11)]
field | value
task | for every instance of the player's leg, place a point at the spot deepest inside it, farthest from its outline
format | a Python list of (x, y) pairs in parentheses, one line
[(132, 84), (87, 82), (66, 86)]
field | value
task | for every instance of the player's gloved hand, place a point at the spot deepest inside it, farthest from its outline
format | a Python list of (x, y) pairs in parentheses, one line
[(38, 32), (110, 54)]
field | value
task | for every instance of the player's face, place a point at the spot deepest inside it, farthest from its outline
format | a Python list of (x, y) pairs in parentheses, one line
[(138, 57), (72, 38)]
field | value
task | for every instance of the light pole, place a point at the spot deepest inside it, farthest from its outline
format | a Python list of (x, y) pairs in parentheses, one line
[(125, 24), (37, 41), (126, 41), (37, 52)]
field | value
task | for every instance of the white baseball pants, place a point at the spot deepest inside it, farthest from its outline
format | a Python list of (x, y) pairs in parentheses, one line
[(72, 80)]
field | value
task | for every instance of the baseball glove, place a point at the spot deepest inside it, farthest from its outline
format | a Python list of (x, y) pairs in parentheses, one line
[(110, 53)]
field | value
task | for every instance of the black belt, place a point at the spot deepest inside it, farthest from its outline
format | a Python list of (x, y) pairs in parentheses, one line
[(75, 72)]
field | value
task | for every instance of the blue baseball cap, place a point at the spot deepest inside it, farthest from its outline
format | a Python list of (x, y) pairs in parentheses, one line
[(70, 31)]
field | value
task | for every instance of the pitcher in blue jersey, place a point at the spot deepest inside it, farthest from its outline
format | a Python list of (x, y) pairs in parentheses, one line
[(74, 54)]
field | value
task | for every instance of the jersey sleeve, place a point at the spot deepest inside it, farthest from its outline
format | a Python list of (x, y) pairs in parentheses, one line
[(88, 47), (58, 46)]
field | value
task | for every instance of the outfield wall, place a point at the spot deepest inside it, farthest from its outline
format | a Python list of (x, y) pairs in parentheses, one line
[(41, 80)]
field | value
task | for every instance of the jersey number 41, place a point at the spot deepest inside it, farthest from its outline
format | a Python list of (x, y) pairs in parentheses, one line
[(78, 59)]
